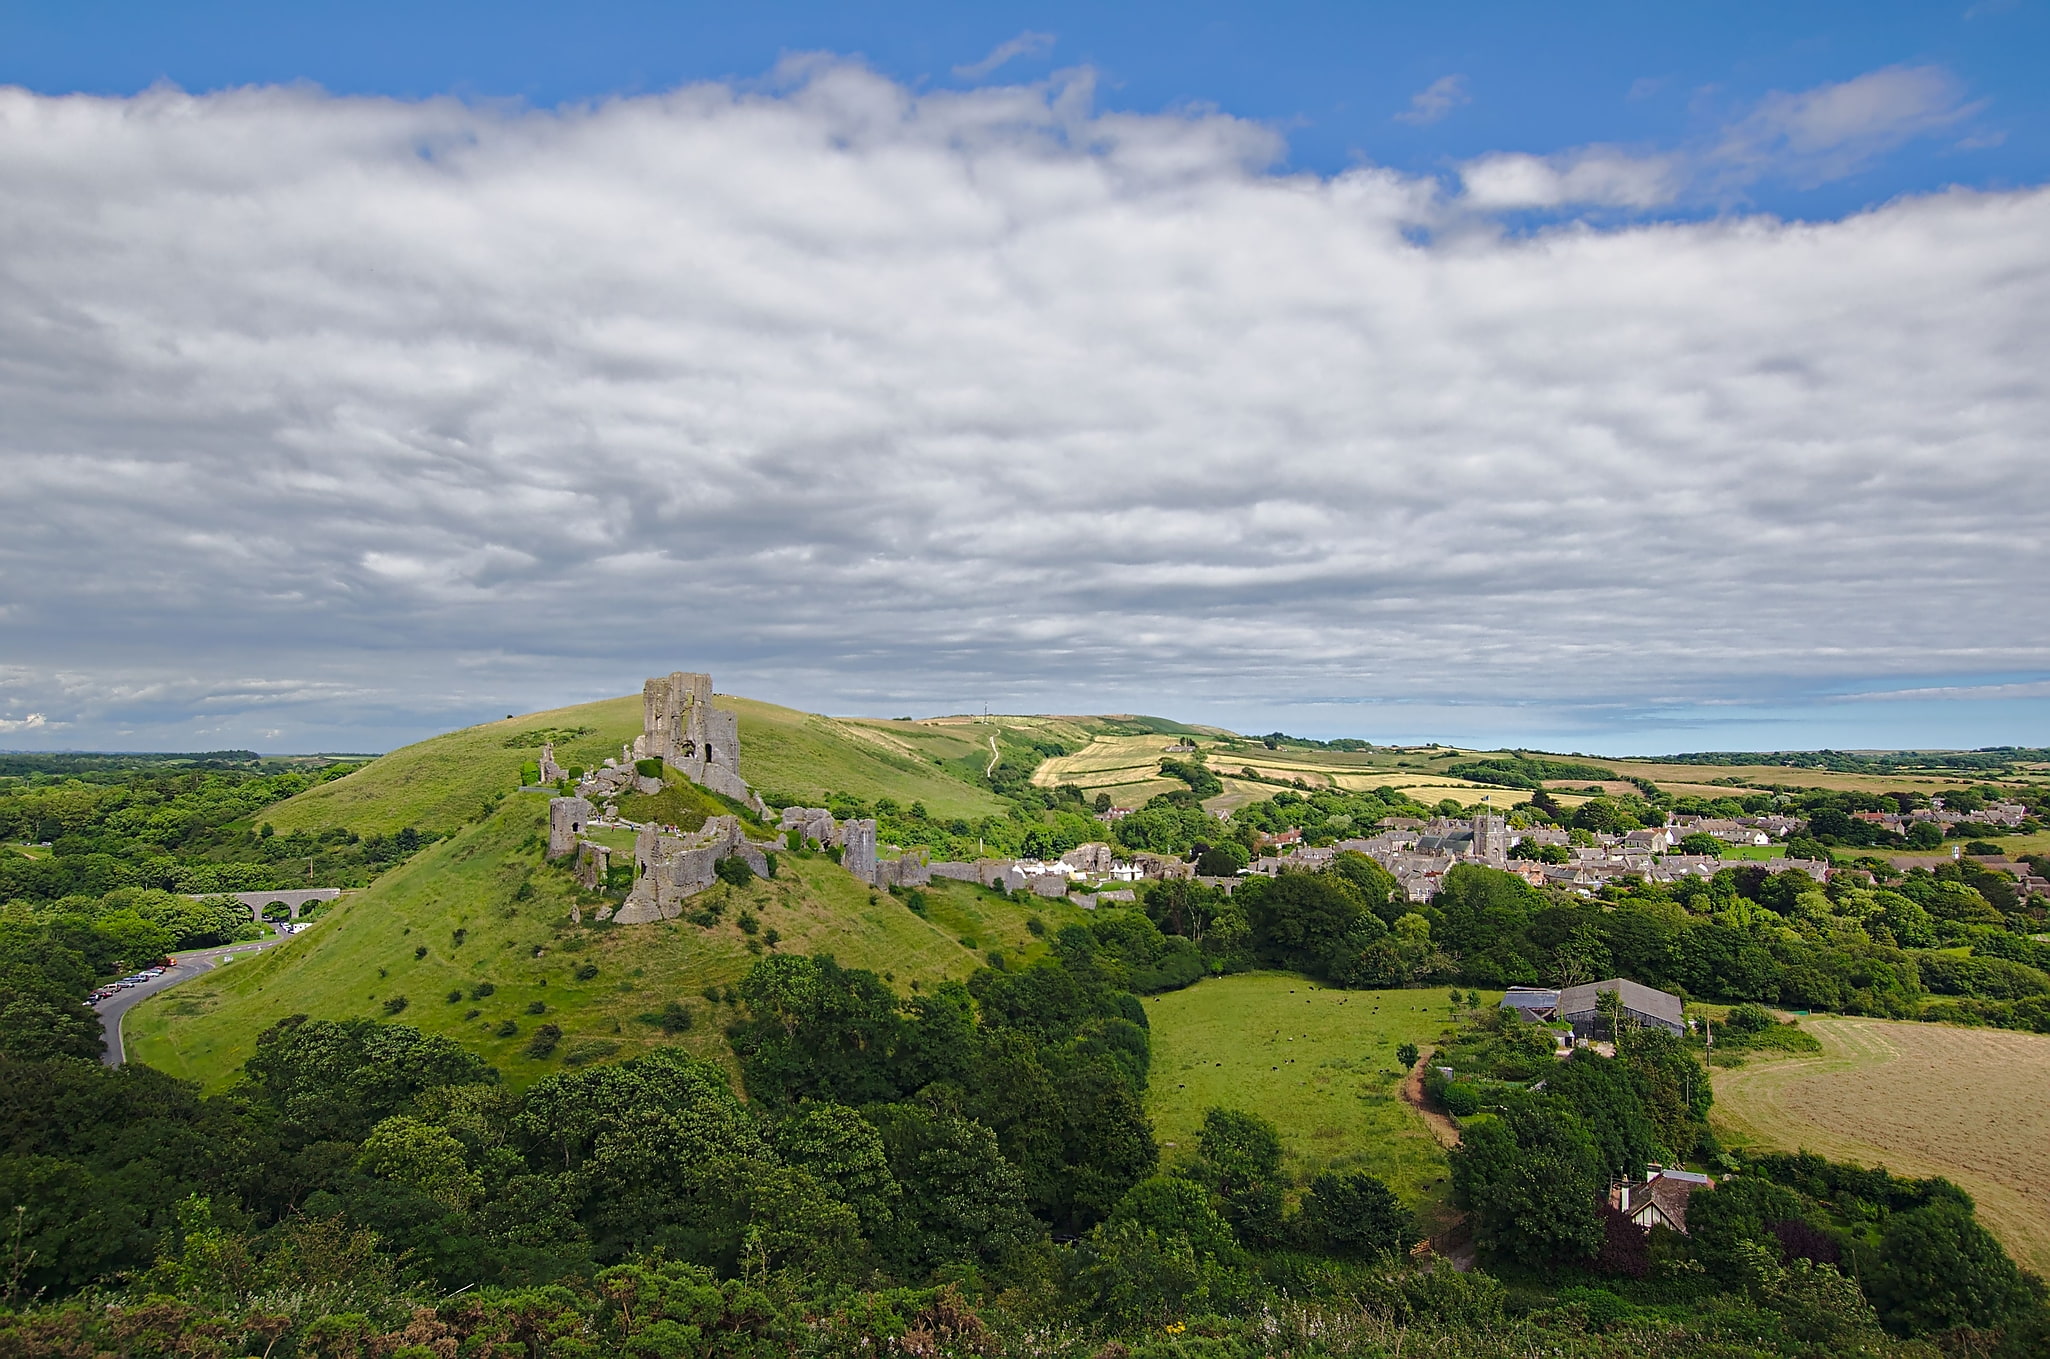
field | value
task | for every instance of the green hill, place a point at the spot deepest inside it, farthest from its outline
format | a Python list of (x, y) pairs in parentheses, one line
[(445, 781), (483, 908)]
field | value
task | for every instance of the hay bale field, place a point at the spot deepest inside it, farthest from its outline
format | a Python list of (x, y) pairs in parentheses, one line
[(1972, 1105)]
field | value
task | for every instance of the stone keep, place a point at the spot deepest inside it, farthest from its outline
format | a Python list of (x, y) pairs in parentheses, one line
[(567, 817), (679, 725)]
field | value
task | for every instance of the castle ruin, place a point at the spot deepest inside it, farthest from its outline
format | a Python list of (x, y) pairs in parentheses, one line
[(682, 729)]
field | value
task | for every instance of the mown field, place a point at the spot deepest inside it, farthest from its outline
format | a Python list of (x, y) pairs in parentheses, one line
[(1319, 1063), (1972, 1105), (490, 883)]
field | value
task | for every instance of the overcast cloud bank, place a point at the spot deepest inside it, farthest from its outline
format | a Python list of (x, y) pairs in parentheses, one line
[(329, 422)]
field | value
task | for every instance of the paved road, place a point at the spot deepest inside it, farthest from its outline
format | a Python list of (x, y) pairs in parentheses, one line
[(190, 965)]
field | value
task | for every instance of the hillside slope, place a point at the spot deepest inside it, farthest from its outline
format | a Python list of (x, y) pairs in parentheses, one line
[(443, 782), (484, 908)]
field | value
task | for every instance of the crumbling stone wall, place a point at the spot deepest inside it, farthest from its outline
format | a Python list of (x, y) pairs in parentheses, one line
[(567, 817), (551, 772), (592, 862), (858, 848), (670, 868)]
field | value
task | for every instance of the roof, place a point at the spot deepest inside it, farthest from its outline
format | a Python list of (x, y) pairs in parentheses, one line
[(1576, 1000), (1530, 998), (1671, 1197)]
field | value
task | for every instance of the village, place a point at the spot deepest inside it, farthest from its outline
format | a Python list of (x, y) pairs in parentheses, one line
[(683, 732)]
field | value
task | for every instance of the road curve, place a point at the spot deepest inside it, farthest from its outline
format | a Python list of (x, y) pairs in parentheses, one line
[(189, 965)]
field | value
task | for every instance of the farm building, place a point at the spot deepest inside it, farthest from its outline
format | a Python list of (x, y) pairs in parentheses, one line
[(1575, 1005)]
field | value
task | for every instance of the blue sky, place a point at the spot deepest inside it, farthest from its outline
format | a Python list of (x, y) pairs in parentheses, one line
[(1339, 80), (1605, 377)]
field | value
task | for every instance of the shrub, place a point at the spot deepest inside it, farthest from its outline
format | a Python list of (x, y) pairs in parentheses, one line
[(394, 1005), (481, 990), (586, 1050), (747, 922), (537, 1007), (734, 871), (648, 769), (1462, 1099), (1407, 1055), (1352, 1214), (1750, 1017), (507, 1029), (419, 953), (455, 995), (585, 971), (544, 1040), (671, 1018)]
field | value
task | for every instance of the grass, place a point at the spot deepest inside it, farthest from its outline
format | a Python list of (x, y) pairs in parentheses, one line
[(526, 949), (804, 756), (1972, 1105), (443, 782), (1319, 1063)]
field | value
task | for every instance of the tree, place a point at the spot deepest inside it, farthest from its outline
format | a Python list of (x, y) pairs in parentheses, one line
[(1700, 842), (845, 1153), (1938, 1268), (1407, 1054), (1239, 1158), (423, 1158), (330, 1080), (962, 1198), (1532, 1178), (1354, 1215)]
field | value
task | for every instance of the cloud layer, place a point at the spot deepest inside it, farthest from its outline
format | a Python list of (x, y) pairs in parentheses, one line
[(330, 418)]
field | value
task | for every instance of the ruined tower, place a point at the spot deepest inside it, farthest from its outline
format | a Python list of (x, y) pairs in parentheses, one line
[(680, 727), (567, 817)]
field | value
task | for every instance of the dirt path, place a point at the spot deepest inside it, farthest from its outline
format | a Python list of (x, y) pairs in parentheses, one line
[(1455, 1242), (996, 757), (1441, 1127)]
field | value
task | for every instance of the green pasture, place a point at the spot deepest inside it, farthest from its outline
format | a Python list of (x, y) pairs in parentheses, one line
[(490, 882), (1317, 1062)]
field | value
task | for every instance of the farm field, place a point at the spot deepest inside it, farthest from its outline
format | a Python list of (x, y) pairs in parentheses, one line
[(1320, 1063), (1972, 1105), (453, 918)]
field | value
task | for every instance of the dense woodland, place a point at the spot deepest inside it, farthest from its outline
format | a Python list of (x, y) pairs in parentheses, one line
[(966, 1172)]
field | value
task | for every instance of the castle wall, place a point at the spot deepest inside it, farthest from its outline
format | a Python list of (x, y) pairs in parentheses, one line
[(592, 861)]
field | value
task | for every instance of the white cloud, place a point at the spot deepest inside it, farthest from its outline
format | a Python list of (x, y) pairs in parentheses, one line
[(1594, 176), (345, 418), (1026, 44), (1808, 138), (33, 722), (1435, 100), (1831, 131)]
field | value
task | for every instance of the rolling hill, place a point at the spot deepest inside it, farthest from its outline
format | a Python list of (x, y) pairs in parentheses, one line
[(482, 909)]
